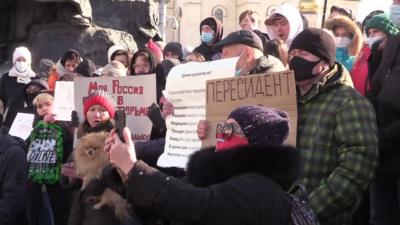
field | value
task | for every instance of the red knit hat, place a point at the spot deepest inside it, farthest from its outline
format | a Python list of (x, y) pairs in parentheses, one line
[(100, 98)]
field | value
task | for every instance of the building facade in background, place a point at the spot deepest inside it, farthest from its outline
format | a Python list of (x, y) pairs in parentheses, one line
[(184, 16)]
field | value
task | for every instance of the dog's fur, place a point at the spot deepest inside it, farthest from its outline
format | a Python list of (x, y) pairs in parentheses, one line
[(90, 159)]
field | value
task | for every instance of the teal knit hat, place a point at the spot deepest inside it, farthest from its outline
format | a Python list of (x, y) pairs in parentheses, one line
[(383, 23)]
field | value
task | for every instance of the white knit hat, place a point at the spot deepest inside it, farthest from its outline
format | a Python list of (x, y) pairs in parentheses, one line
[(22, 52), (113, 49)]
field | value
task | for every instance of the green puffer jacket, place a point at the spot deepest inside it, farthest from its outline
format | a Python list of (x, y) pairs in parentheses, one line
[(337, 135)]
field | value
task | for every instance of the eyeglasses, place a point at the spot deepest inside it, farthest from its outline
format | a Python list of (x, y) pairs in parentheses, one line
[(226, 130)]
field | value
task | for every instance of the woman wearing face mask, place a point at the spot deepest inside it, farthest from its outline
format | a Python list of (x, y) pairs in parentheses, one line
[(377, 29), (211, 32), (348, 39), (14, 82)]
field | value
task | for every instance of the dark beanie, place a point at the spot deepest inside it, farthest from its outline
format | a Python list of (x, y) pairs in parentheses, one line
[(175, 48), (244, 37), (383, 23), (317, 42), (85, 68), (70, 54), (262, 125)]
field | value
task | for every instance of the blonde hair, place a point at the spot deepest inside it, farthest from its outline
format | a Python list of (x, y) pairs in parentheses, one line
[(43, 97), (114, 69)]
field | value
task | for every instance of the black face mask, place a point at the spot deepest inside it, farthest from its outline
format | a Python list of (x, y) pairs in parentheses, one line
[(30, 96), (302, 68)]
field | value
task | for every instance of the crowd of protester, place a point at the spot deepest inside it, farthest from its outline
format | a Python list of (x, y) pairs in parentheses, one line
[(343, 170)]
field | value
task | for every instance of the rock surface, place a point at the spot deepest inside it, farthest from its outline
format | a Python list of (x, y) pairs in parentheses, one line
[(50, 41)]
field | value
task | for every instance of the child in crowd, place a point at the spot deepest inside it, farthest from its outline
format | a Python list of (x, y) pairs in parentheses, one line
[(50, 145)]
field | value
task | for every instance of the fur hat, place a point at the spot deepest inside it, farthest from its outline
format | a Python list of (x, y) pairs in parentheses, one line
[(262, 125), (352, 28), (317, 42), (22, 52), (100, 98)]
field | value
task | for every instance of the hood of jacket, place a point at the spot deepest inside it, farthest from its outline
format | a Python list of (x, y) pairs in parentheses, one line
[(292, 14), (39, 82), (357, 38), (219, 31), (280, 163), (153, 61)]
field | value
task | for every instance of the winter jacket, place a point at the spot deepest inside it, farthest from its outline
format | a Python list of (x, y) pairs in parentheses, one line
[(82, 211), (337, 135), (344, 58), (11, 94), (359, 73), (387, 108), (207, 50), (265, 41), (84, 128), (241, 186), (13, 180)]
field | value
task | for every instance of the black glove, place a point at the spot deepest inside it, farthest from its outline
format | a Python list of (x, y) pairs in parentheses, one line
[(74, 119), (154, 114)]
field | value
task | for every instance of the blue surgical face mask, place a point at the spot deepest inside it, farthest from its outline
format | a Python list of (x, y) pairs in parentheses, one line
[(239, 71), (207, 37)]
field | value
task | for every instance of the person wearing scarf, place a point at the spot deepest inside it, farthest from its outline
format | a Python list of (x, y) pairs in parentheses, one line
[(13, 84)]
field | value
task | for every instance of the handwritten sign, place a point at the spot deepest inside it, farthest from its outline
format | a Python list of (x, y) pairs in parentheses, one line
[(275, 90), (22, 125), (186, 90), (134, 94), (64, 100)]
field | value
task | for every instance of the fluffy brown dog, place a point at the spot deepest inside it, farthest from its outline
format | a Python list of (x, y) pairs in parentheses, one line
[(90, 159)]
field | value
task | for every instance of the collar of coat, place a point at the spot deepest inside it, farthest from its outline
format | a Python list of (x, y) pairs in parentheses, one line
[(281, 163), (338, 75), (85, 128)]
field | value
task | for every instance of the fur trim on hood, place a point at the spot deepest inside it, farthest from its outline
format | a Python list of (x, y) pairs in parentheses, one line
[(281, 163), (342, 21)]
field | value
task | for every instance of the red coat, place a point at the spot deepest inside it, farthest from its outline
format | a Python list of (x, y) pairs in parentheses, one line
[(359, 74)]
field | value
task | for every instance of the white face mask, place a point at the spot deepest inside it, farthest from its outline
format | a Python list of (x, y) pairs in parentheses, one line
[(21, 67), (342, 42), (372, 40), (395, 13)]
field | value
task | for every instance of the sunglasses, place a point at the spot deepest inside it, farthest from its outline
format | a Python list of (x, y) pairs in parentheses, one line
[(226, 130)]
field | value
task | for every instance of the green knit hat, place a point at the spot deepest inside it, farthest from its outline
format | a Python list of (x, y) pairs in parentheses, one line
[(383, 23)]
